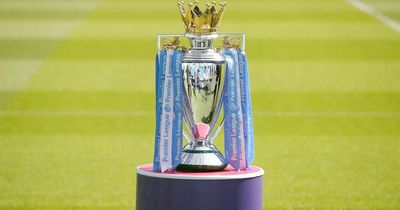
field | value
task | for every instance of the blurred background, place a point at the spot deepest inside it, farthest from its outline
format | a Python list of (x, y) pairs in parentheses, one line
[(77, 100)]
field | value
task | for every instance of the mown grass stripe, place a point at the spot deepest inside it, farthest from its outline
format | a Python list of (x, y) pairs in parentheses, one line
[(264, 124), (274, 101), (48, 5), (119, 75), (257, 113), (272, 50), (128, 29), (15, 73), (42, 15), (297, 29), (136, 14), (36, 29), (234, 6)]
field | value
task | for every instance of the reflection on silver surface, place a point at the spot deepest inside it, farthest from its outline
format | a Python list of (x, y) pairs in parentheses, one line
[(203, 88), (203, 81)]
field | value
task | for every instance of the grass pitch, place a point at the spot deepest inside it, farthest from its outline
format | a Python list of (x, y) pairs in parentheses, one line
[(77, 100)]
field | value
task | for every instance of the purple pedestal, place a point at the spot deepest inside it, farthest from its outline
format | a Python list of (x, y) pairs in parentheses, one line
[(226, 190)]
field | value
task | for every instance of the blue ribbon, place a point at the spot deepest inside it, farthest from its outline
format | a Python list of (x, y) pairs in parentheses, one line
[(238, 126), (246, 108), (233, 126), (160, 56), (178, 109), (169, 112)]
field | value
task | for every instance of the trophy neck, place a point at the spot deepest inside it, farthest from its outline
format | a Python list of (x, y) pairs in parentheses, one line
[(201, 42), (201, 49)]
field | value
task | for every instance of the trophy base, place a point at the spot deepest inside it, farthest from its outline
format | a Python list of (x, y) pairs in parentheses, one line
[(200, 168), (201, 158)]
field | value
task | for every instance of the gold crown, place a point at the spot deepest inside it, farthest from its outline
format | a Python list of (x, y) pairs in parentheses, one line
[(199, 22)]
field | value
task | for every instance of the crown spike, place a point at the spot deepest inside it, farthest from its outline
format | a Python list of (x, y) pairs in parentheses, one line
[(183, 13), (219, 14), (213, 11), (192, 13), (207, 15), (180, 6)]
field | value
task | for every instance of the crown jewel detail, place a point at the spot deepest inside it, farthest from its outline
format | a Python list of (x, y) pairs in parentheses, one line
[(199, 22)]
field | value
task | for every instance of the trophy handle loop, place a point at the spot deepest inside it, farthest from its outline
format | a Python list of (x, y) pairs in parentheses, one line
[(186, 137), (217, 131)]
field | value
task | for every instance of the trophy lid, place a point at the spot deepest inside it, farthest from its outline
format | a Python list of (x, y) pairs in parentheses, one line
[(198, 22)]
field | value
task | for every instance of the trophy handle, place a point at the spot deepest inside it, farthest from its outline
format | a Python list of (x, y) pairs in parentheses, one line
[(189, 138), (186, 137), (212, 138)]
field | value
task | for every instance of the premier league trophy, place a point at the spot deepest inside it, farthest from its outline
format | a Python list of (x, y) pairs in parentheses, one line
[(199, 74), (193, 83)]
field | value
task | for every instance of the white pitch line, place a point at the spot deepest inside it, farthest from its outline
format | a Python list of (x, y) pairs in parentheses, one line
[(100, 113), (375, 13)]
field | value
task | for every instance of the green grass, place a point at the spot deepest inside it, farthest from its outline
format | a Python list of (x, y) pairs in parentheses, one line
[(77, 100)]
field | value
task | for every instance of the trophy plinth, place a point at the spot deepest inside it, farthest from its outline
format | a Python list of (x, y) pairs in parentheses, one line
[(223, 190)]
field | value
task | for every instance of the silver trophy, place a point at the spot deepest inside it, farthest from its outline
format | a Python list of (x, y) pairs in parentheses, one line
[(203, 82), (203, 70)]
